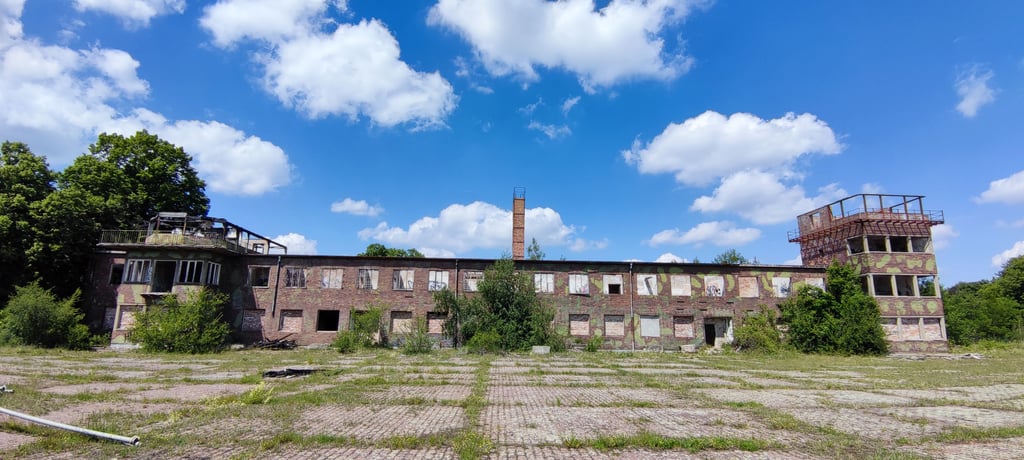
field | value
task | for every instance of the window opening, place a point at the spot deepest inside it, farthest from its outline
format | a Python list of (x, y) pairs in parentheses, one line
[(856, 245), (437, 281), (295, 277), (781, 286), (402, 280), (138, 271), (116, 273), (579, 283), (327, 320), (899, 244), (259, 276), (163, 275), (472, 280), (213, 274), (368, 278), (904, 285), (883, 284), (921, 244), (544, 282), (876, 244), (332, 278), (714, 286), (926, 286), (613, 284)]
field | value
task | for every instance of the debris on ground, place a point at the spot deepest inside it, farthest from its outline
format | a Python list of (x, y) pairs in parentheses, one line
[(290, 372)]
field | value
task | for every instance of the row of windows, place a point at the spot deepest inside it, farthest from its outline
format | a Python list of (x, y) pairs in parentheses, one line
[(899, 285), (877, 243), (401, 322), (913, 328), (366, 278), (166, 272)]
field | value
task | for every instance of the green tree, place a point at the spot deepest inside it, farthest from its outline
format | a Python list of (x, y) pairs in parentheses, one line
[(35, 317), (193, 326), (379, 250), (841, 319), (533, 251), (980, 310), (758, 333), (25, 179), (1010, 280), (730, 257), (64, 238)]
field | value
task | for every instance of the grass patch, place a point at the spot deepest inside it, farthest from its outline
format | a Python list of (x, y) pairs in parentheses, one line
[(652, 441)]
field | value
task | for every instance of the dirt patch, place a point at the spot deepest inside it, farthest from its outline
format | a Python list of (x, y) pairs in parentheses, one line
[(197, 392), (10, 441)]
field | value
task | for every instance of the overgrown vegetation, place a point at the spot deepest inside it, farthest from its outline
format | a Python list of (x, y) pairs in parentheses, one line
[(506, 310), (841, 319), (192, 326), (758, 333), (987, 310), (34, 316), (367, 330), (418, 340)]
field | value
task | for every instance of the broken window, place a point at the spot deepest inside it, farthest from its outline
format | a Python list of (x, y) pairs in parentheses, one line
[(213, 274), (437, 280), (921, 244), (544, 282), (327, 320), (579, 283), (781, 286), (650, 326), (259, 276), (138, 271), (258, 248), (613, 284), (926, 286), (579, 325), (714, 286), (899, 244), (190, 272), (680, 285), (291, 321), (401, 280), (472, 280), (331, 278), (883, 284), (368, 278), (401, 322), (876, 244), (647, 284), (614, 325), (904, 285), (295, 277), (435, 322), (116, 273), (856, 245), (749, 287), (683, 327)]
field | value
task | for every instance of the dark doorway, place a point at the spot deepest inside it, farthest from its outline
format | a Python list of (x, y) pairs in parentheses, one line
[(163, 275), (709, 334), (327, 320)]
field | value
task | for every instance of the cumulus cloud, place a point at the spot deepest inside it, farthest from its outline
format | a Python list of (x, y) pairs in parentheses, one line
[(297, 243), (134, 13), (569, 104), (670, 258), (762, 198), (1002, 258), (602, 47), (1009, 190), (461, 228), (356, 208), (943, 235), (794, 261), (712, 145), (718, 233), (355, 71), (872, 188), (551, 131), (972, 87)]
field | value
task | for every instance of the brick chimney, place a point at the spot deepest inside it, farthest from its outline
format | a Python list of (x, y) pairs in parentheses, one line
[(518, 223)]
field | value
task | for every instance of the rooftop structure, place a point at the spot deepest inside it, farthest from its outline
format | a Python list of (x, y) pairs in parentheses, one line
[(176, 229)]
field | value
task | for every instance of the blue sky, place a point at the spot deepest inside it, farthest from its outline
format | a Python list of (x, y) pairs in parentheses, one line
[(641, 130)]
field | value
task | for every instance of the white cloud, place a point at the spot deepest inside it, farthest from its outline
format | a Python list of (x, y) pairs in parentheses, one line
[(461, 228), (794, 261), (943, 235), (872, 188), (1009, 190), (296, 243), (972, 87), (569, 104), (762, 198), (356, 208), (668, 257), (718, 233), (711, 145), (354, 71), (551, 131), (1002, 258), (580, 244), (528, 109), (601, 47), (134, 13)]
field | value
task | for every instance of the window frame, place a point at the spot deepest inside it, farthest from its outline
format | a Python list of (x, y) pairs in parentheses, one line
[(433, 284), (138, 271), (366, 280), (295, 277), (544, 283), (398, 277), (250, 279), (579, 284), (332, 278), (213, 270)]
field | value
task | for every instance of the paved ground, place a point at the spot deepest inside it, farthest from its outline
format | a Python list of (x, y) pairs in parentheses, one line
[(386, 405)]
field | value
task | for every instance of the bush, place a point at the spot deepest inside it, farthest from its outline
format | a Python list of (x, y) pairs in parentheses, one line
[(594, 343), (418, 341), (758, 334), (484, 342), (35, 317), (193, 326), (368, 326), (347, 342)]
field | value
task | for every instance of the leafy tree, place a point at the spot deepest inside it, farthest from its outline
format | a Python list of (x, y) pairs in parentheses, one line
[(758, 333), (731, 257), (980, 310), (35, 317), (1010, 280), (193, 326), (379, 250), (842, 319), (533, 251), (25, 178), (64, 238)]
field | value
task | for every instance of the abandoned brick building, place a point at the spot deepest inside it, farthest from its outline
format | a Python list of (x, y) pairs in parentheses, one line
[(633, 305)]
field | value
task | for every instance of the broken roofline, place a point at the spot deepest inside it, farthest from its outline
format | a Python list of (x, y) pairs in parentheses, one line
[(907, 209), (179, 229)]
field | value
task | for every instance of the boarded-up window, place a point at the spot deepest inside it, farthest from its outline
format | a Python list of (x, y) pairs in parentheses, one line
[(910, 328), (780, 286), (401, 322), (252, 320), (330, 278), (748, 287), (579, 283), (614, 326), (291, 321), (401, 280), (579, 325), (647, 284), (816, 282), (435, 322), (368, 278), (891, 328), (295, 277), (544, 282), (127, 318), (650, 326), (612, 284), (683, 327), (438, 280), (932, 329), (472, 281), (714, 286), (681, 285)]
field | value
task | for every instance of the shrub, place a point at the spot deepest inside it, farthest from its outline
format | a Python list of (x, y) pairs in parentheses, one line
[(193, 326), (758, 334), (347, 342), (368, 325), (418, 341), (484, 342), (594, 343), (35, 317)]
